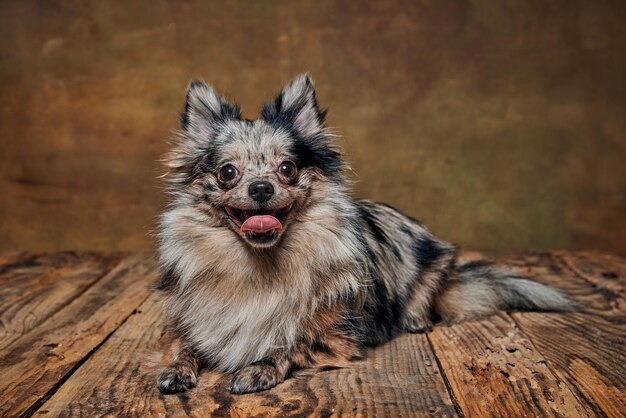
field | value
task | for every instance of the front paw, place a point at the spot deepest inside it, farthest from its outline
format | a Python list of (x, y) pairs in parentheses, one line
[(254, 378), (174, 380), (417, 325)]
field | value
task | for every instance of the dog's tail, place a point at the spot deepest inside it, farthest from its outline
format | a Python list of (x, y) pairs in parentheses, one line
[(481, 289)]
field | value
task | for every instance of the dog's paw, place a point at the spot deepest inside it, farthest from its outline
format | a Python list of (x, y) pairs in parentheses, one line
[(255, 378), (174, 380), (417, 325)]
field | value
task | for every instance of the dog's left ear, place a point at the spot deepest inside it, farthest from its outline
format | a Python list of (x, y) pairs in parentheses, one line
[(296, 108), (204, 108)]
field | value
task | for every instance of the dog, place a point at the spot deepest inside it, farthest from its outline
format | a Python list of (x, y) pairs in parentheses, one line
[(269, 266)]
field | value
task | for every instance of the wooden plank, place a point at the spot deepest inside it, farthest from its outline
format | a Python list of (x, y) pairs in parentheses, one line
[(585, 349), (38, 286), (21, 266), (26, 264), (397, 379), (587, 353), (604, 271), (8, 257), (551, 269), (35, 364), (494, 370)]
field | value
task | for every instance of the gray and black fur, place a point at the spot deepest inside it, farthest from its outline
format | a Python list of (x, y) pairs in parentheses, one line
[(342, 274)]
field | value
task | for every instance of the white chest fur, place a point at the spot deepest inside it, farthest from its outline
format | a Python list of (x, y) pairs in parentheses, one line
[(233, 330), (236, 310)]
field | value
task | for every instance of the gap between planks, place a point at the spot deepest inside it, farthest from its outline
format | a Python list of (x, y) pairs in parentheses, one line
[(446, 380), (604, 399), (400, 378), (189, 403), (37, 405), (35, 364), (41, 286), (585, 349)]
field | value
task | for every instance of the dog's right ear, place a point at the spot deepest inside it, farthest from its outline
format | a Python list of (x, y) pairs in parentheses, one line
[(296, 108), (204, 108)]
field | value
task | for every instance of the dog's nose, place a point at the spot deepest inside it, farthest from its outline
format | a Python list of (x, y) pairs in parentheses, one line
[(261, 191)]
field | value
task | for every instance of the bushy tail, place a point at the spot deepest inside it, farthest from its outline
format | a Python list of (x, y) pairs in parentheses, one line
[(481, 289)]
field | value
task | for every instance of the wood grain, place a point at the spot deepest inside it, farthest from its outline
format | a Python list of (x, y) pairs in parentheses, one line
[(494, 370), (17, 266), (8, 257), (99, 354), (398, 379), (603, 271), (594, 294), (38, 286), (586, 353), (584, 349), (35, 364)]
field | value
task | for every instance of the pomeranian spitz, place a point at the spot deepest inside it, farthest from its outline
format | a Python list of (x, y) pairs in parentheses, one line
[(269, 265)]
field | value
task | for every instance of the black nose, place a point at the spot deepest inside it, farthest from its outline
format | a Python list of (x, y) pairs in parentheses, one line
[(261, 191)]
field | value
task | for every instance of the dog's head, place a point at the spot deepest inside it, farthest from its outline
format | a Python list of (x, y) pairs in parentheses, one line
[(255, 177)]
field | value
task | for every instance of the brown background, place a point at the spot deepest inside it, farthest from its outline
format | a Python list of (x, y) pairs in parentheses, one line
[(499, 123)]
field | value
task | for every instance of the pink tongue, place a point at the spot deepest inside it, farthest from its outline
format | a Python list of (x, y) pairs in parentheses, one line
[(261, 224)]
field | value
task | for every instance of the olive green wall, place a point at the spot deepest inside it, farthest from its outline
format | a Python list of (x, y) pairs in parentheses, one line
[(501, 124)]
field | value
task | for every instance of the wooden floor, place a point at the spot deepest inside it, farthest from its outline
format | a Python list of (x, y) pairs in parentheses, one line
[(81, 335)]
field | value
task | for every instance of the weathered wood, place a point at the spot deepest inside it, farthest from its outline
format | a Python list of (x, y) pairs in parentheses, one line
[(585, 349), (398, 379), (603, 271), (551, 269), (17, 266), (95, 355), (586, 353), (35, 364), (35, 287), (494, 370), (8, 257)]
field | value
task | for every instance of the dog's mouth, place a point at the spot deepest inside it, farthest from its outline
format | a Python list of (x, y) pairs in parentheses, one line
[(261, 225)]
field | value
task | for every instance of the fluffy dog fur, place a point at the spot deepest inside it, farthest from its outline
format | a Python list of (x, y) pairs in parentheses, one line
[(341, 274)]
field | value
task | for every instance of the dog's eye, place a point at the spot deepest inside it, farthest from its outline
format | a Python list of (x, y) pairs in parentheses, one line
[(287, 169), (228, 173)]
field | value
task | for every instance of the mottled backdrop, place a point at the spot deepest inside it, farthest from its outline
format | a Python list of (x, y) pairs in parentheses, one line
[(501, 124)]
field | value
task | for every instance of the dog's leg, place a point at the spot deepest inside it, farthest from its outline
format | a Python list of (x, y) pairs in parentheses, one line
[(334, 349), (261, 375), (182, 374), (417, 317)]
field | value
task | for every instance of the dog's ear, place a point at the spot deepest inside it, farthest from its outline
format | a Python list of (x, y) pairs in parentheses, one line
[(296, 108), (204, 108)]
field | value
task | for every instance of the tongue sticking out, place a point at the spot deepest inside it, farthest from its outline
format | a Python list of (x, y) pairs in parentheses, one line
[(261, 224)]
